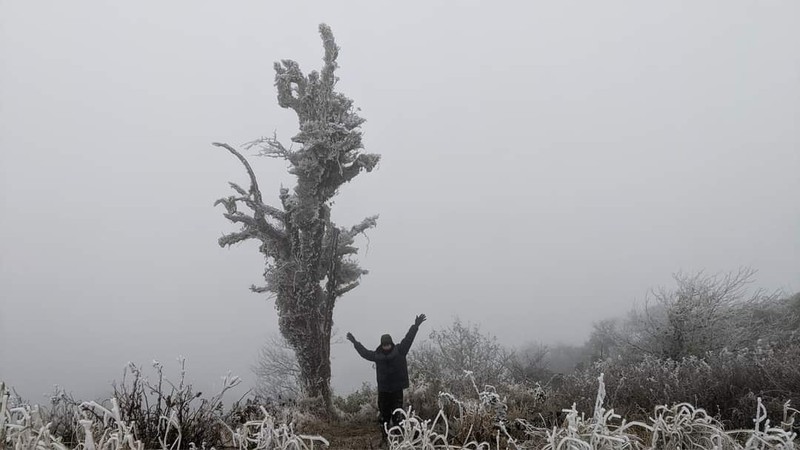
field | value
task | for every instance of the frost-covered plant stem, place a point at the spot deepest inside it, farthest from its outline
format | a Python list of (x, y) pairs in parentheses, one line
[(3, 412)]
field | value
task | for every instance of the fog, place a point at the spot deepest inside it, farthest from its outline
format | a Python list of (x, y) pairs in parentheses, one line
[(543, 166)]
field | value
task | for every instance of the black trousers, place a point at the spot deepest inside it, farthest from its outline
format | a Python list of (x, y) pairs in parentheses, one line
[(387, 403)]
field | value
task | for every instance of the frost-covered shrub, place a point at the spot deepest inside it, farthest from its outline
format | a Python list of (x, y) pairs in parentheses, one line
[(726, 384), (145, 403), (477, 417), (680, 426), (103, 427), (22, 426), (439, 362), (701, 314), (359, 406), (268, 433), (524, 400), (61, 416)]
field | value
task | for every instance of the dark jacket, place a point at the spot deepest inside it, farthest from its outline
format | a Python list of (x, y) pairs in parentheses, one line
[(391, 367)]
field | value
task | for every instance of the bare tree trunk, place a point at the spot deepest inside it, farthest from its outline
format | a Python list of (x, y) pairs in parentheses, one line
[(303, 321), (313, 356)]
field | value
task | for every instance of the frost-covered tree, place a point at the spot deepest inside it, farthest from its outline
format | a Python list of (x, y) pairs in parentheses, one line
[(277, 372), (309, 260), (702, 314)]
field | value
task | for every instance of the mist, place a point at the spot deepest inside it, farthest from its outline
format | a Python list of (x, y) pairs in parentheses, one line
[(543, 166)]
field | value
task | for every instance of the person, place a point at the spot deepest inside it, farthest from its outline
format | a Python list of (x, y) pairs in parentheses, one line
[(391, 370)]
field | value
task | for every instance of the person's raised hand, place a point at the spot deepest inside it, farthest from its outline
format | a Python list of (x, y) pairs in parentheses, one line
[(420, 318), (350, 337)]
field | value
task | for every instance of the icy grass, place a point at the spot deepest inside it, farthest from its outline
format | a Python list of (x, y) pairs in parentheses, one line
[(23, 428), (681, 426)]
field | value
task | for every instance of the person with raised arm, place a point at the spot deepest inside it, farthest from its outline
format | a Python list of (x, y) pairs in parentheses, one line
[(391, 370)]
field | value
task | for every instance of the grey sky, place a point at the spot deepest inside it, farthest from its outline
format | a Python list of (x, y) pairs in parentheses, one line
[(544, 164)]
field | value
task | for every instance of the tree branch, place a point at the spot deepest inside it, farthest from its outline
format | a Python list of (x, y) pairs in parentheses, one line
[(288, 77), (366, 161), (369, 222), (256, 203), (258, 226), (331, 53), (271, 148), (242, 218), (265, 210), (234, 238), (343, 290), (254, 191), (237, 188)]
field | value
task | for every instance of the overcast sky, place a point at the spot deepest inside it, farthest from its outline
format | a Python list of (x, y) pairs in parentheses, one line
[(544, 165)]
